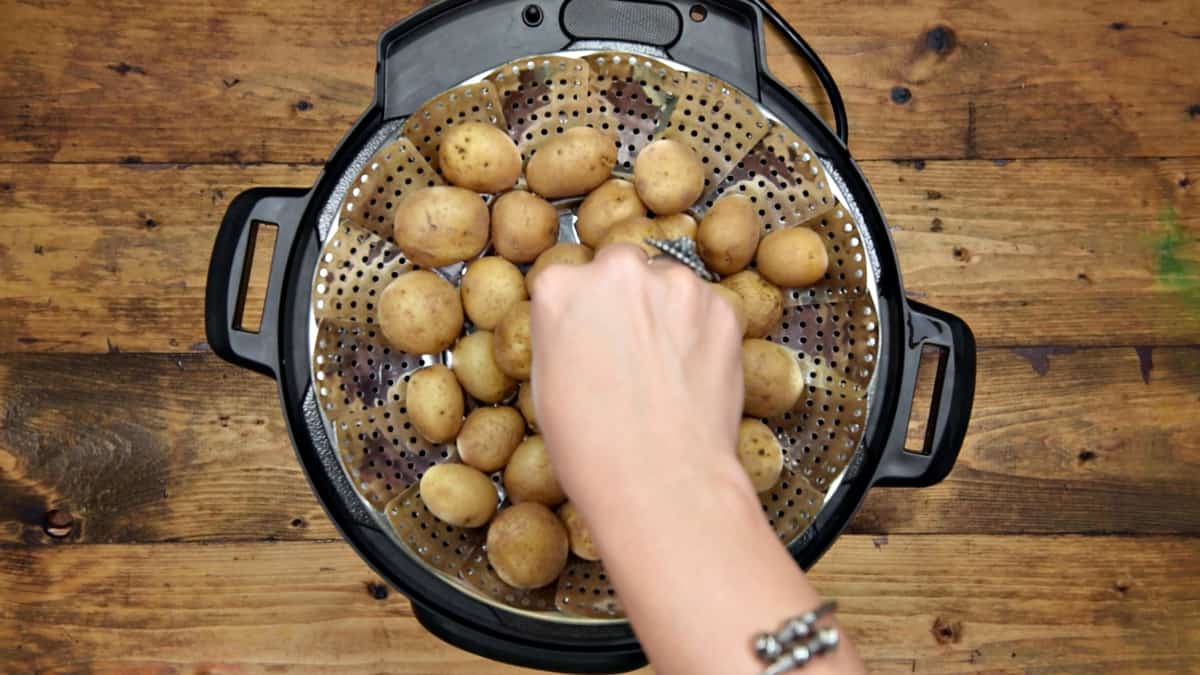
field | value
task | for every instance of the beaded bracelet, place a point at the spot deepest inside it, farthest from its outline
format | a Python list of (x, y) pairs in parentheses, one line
[(796, 642)]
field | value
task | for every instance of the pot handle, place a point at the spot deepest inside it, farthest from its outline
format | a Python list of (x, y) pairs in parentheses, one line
[(953, 395), (229, 273), (840, 121)]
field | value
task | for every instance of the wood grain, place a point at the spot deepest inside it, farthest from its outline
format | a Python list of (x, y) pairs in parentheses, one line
[(1038, 162), (149, 449), (191, 82), (927, 604), (97, 258)]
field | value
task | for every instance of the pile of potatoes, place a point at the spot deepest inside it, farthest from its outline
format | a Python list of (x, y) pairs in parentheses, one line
[(421, 312)]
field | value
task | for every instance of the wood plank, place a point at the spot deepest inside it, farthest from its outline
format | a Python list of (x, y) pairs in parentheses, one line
[(1073, 252), (928, 604), (148, 448), (142, 448), (1066, 441), (103, 258), (1051, 252), (190, 82)]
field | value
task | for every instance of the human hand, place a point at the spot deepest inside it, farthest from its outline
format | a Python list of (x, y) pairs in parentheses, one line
[(637, 380)]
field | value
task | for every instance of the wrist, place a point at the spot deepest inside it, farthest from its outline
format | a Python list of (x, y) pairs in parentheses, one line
[(688, 503)]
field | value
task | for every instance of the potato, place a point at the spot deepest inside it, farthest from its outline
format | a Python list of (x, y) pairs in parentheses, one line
[(607, 205), (489, 436), (529, 476), (793, 258), (728, 234), (490, 287), (474, 364), (578, 535), (479, 157), (441, 225), (435, 403), (527, 546), (634, 231), (669, 177), (573, 163), (735, 302), (420, 313), (760, 453), (523, 226), (459, 495), (773, 378), (525, 403), (513, 347), (677, 226), (560, 254), (762, 301)]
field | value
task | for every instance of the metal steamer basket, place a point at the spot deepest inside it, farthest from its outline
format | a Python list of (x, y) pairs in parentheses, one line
[(643, 70)]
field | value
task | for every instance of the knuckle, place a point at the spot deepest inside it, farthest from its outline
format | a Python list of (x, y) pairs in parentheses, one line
[(550, 285), (681, 279), (625, 260)]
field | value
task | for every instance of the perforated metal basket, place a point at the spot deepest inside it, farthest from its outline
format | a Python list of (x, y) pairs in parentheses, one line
[(643, 71)]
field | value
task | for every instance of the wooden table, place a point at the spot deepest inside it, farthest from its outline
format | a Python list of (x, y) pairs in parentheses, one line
[(1039, 163)]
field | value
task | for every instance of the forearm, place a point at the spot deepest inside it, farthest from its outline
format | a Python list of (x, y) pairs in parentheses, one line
[(699, 571)]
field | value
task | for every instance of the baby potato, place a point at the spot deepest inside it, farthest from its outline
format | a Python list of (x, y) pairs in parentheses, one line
[(479, 157), (578, 535), (489, 437), (607, 205), (728, 234), (573, 163), (435, 403), (760, 453), (525, 403), (793, 258), (513, 347), (735, 302), (560, 254), (459, 495), (474, 365), (636, 231), (773, 378), (762, 301), (420, 313), (677, 226), (523, 226), (529, 477), (527, 546), (441, 225), (490, 287), (668, 176)]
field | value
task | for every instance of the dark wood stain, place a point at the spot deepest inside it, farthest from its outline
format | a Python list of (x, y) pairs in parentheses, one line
[(124, 69), (941, 40), (946, 632), (970, 149), (1039, 357), (1145, 361)]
